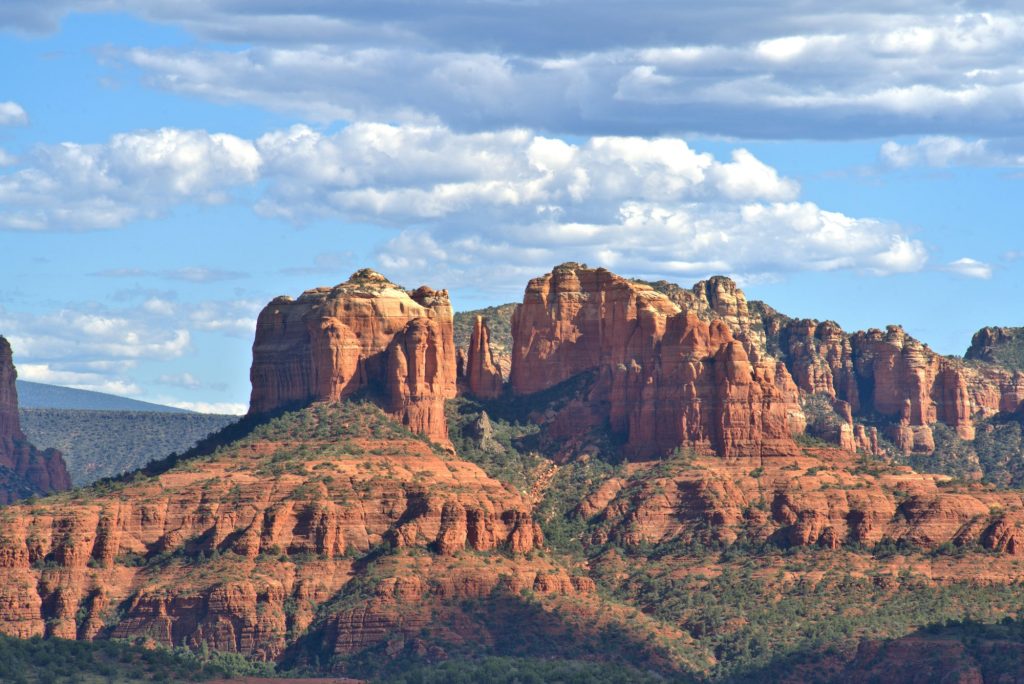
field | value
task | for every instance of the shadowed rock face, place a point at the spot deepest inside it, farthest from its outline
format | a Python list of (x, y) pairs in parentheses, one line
[(365, 334), (10, 425), (24, 470), (666, 376)]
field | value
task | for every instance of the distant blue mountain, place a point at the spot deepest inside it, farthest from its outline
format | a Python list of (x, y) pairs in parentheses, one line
[(32, 395)]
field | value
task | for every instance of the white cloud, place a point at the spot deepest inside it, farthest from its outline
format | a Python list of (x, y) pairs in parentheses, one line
[(524, 201), (223, 408), (807, 70), (132, 176), (942, 151), (159, 306), (802, 68), (654, 203), (12, 114), (90, 346), (236, 318), (96, 382), (970, 268)]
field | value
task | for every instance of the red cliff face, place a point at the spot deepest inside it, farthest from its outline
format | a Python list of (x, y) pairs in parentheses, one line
[(366, 333), (24, 470), (482, 374), (665, 376)]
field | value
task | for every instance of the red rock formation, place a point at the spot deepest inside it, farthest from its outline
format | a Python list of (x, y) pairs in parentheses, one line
[(365, 334), (892, 374), (667, 377), (260, 540), (483, 377), (24, 470), (829, 504)]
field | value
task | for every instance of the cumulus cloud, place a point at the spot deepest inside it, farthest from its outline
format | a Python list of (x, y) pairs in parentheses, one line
[(132, 176), (69, 334), (655, 204), (515, 201), (12, 114), (970, 268)]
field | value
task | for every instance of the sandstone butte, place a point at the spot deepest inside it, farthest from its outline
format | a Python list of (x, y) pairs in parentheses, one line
[(24, 470), (343, 530), (365, 335)]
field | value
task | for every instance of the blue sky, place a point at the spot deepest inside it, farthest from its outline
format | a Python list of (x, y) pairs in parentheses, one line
[(168, 167)]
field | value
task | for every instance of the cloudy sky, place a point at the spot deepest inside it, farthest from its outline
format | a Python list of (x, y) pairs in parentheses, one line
[(168, 166)]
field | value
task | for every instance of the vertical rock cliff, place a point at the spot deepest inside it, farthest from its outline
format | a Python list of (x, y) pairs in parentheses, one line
[(666, 377), (366, 334), (24, 470), (482, 374)]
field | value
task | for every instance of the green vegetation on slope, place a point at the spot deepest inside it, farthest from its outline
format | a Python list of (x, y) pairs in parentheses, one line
[(1005, 347), (496, 670), (58, 661), (99, 444), (997, 453)]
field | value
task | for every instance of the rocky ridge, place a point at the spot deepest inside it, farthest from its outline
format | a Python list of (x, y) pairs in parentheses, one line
[(24, 470)]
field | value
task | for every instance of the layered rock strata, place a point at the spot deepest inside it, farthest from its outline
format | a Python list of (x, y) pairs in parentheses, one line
[(365, 335), (826, 501), (24, 470), (665, 377), (216, 551)]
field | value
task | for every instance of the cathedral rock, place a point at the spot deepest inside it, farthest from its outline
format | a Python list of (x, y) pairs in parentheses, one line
[(665, 376), (365, 335)]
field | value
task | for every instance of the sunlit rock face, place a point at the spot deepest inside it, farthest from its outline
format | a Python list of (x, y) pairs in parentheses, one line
[(365, 334), (666, 376)]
